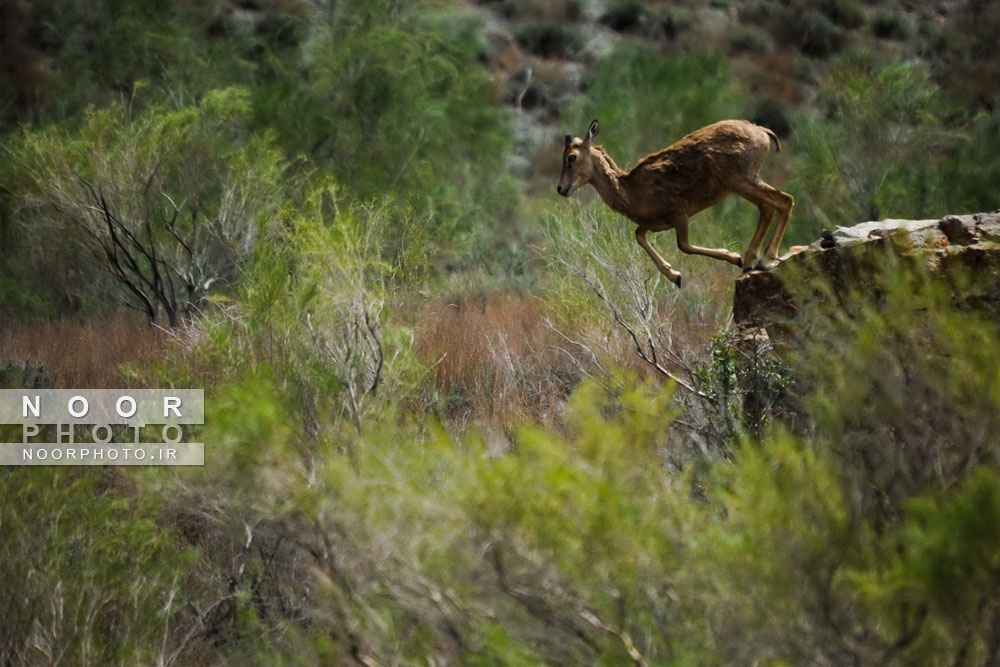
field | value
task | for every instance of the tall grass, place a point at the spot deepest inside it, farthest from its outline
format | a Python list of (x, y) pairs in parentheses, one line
[(85, 354), (493, 357)]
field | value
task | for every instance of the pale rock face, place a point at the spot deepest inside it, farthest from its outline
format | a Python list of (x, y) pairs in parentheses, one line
[(843, 258)]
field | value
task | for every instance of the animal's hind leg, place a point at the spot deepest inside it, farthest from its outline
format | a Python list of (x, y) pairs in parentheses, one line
[(770, 258), (768, 200), (753, 250)]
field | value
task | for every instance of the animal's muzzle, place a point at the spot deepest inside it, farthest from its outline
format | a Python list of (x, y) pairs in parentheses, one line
[(559, 189)]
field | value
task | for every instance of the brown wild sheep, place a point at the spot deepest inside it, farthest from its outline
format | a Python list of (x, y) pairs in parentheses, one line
[(666, 188)]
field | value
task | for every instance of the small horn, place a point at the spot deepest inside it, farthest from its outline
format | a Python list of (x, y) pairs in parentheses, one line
[(569, 139)]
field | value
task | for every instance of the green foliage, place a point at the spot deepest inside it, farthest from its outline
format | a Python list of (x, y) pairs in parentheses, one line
[(889, 24), (549, 40), (902, 380), (746, 382), (336, 520), (191, 185), (106, 50), (592, 541), (938, 585), (890, 145), (394, 103), (26, 374), (313, 311), (90, 578), (597, 267), (766, 554), (845, 13), (750, 38), (816, 34), (812, 27)]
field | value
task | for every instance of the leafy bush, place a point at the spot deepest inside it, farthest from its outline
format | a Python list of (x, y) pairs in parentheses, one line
[(105, 51), (845, 13), (549, 40), (597, 539), (807, 27), (902, 381), (890, 145), (313, 308), (749, 38), (167, 201), (25, 374), (394, 103), (815, 34), (91, 579)]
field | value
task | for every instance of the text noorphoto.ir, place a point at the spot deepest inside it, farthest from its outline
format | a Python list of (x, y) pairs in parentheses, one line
[(100, 426)]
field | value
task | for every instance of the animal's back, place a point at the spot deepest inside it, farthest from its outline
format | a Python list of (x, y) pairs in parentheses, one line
[(715, 141), (690, 170)]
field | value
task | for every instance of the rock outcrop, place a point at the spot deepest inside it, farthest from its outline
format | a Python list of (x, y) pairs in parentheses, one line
[(850, 257)]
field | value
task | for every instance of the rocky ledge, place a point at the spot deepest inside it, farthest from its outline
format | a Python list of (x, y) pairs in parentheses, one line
[(848, 258)]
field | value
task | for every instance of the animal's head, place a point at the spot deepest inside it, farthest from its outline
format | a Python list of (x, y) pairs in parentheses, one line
[(578, 162)]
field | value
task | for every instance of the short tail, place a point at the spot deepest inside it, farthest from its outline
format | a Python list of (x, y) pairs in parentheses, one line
[(777, 144)]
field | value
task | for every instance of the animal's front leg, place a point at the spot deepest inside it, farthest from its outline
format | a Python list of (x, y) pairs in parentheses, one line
[(661, 264)]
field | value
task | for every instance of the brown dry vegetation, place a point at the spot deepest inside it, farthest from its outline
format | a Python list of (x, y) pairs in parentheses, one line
[(493, 356), (501, 356), (83, 354)]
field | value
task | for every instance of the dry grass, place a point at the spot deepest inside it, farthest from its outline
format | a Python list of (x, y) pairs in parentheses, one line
[(493, 357), (496, 358), (83, 354)]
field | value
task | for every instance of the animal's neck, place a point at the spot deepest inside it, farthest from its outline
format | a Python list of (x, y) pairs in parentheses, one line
[(607, 181)]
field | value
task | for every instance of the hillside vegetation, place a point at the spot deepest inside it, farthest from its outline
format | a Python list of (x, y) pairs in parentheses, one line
[(451, 417)]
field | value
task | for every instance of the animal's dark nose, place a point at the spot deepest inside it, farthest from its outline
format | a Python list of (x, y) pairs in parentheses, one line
[(560, 190)]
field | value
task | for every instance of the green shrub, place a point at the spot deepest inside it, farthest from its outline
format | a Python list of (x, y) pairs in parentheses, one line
[(394, 103), (808, 28), (901, 380), (90, 578), (815, 34), (887, 24), (168, 202), (749, 38), (890, 144), (314, 310), (15, 375), (549, 40), (593, 540), (845, 13), (105, 51)]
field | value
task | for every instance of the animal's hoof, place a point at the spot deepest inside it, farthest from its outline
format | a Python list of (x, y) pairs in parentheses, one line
[(766, 265), (677, 280), (738, 262)]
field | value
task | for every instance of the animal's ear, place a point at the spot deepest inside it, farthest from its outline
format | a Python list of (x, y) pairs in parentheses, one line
[(592, 132), (569, 140)]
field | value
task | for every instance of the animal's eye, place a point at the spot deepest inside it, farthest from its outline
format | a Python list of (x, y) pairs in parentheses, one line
[(571, 159)]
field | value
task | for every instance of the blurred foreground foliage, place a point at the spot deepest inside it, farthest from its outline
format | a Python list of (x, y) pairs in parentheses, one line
[(337, 520)]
